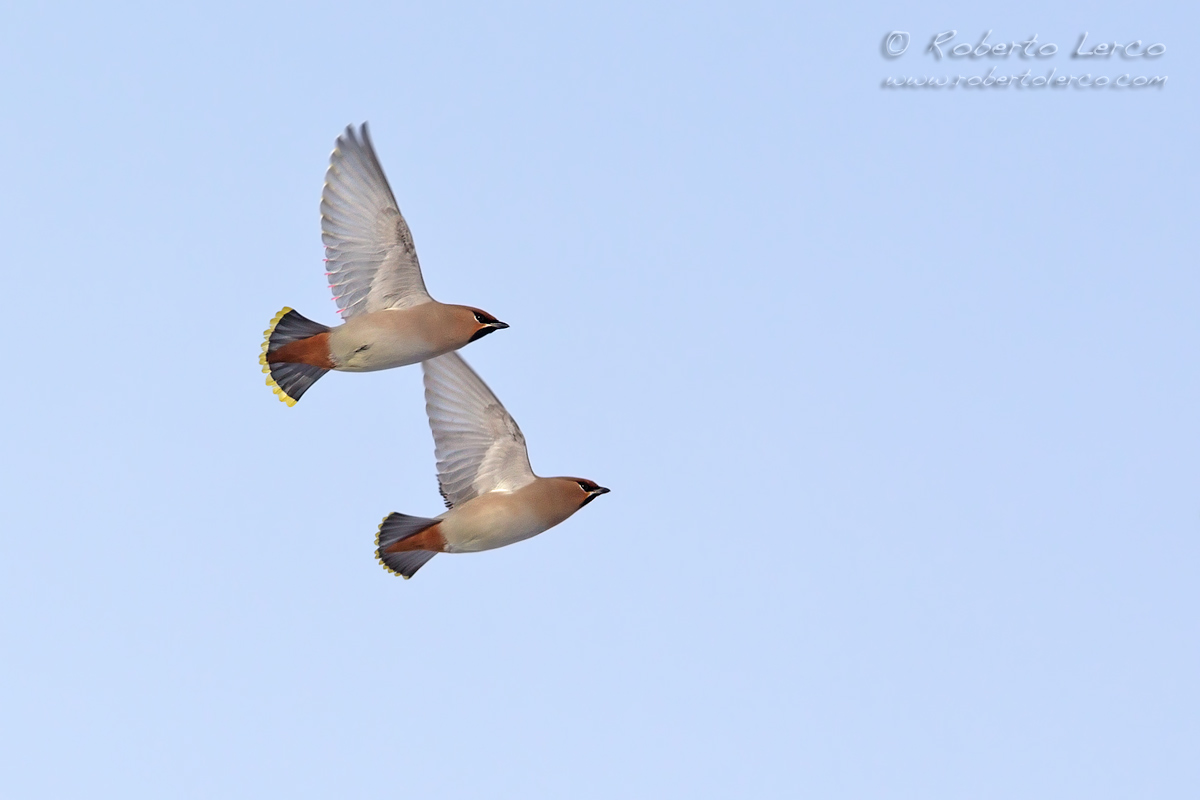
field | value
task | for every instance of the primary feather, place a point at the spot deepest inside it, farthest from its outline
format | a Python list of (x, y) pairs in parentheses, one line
[(371, 259), (478, 444)]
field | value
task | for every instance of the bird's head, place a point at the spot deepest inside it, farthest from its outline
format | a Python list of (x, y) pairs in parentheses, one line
[(477, 322), (587, 490)]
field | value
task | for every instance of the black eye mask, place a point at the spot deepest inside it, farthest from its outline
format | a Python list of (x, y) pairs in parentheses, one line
[(482, 332)]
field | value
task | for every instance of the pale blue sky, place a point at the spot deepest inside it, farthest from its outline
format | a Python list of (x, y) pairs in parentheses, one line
[(896, 393)]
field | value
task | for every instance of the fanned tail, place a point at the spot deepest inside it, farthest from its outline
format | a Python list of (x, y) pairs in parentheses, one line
[(397, 527), (288, 380)]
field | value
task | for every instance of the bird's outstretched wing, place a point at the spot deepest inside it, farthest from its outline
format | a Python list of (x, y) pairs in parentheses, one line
[(478, 445), (371, 260)]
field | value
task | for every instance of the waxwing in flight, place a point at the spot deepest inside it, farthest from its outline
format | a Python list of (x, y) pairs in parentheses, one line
[(389, 320), (494, 499)]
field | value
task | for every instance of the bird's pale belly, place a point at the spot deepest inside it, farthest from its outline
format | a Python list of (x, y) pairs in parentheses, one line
[(387, 339), (389, 352), (492, 520)]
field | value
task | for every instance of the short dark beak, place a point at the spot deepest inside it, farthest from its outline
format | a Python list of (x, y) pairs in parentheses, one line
[(600, 490), (488, 327)]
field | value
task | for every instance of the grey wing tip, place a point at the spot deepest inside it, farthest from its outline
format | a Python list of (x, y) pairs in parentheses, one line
[(348, 137), (352, 139)]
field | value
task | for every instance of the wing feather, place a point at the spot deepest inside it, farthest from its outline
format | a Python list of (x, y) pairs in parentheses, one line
[(371, 260), (478, 444)]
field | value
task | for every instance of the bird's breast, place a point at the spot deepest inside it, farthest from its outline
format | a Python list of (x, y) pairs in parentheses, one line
[(392, 338), (494, 520)]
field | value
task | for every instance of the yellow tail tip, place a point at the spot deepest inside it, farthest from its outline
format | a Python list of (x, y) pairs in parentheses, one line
[(262, 358), (379, 558), (283, 396)]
